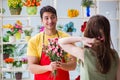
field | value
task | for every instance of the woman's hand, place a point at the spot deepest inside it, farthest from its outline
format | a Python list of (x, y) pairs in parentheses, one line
[(88, 41)]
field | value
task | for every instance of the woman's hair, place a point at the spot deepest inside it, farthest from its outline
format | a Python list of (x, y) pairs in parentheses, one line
[(98, 27), (47, 9)]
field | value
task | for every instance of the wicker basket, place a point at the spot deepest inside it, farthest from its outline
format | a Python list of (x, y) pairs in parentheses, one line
[(15, 11)]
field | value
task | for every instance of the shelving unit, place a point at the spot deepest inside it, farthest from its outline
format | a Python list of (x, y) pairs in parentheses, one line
[(62, 19)]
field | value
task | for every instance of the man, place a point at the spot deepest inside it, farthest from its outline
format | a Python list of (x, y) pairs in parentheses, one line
[(38, 62)]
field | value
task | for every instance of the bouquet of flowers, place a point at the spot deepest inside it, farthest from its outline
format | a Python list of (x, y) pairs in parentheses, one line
[(54, 51), (14, 28), (9, 60)]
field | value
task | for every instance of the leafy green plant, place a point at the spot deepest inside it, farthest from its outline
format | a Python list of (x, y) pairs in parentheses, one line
[(87, 3), (28, 32), (14, 3), (8, 48)]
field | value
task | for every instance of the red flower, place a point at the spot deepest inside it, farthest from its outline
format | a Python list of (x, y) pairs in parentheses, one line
[(83, 26), (9, 60)]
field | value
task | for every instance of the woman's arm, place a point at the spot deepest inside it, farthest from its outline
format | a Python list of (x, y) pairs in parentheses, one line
[(68, 45)]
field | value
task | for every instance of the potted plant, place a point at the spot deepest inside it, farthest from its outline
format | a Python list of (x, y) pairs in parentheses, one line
[(15, 6), (15, 30), (18, 75), (87, 4), (31, 6), (27, 34), (24, 63), (9, 62), (8, 49), (69, 28)]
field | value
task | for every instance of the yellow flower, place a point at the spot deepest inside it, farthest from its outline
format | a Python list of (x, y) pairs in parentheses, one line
[(73, 13), (8, 26), (19, 22)]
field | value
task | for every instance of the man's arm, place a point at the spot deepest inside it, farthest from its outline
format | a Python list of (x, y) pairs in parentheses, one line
[(35, 68)]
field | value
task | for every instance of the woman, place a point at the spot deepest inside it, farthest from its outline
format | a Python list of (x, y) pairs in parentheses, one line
[(99, 60)]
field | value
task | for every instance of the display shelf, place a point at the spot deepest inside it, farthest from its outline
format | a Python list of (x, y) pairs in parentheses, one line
[(14, 70), (22, 42)]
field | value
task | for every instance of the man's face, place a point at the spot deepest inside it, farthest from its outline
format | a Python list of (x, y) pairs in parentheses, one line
[(49, 20)]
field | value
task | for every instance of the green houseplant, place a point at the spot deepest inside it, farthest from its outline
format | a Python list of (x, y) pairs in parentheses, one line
[(15, 6), (87, 4), (28, 34), (8, 49)]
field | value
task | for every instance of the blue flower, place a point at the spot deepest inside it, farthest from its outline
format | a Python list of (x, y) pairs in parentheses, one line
[(69, 27)]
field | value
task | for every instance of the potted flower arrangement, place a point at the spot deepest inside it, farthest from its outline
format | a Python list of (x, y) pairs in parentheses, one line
[(31, 6), (15, 6), (15, 32), (69, 28), (87, 4), (27, 34), (24, 63), (9, 62)]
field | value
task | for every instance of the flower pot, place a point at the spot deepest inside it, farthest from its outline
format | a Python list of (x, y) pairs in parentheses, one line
[(27, 38), (24, 66), (9, 66), (18, 76), (18, 35), (15, 11), (12, 39), (32, 10)]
